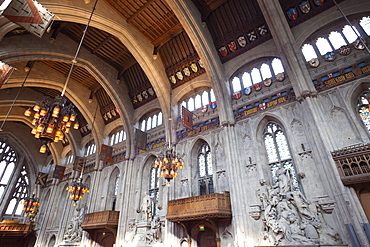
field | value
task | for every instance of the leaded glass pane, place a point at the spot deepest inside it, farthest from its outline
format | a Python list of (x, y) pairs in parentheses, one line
[(270, 148), (308, 52), (277, 66), (191, 104), (202, 165), (153, 175), (247, 81), (236, 84), (115, 192), (205, 98), (143, 125), (160, 118), (323, 45), (265, 71), (336, 39), (149, 123), (7, 174), (11, 206), (209, 163), (365, 24), (210, 186), (256, 75), (203, 187), (351, 35), (282, 145), (198, 101), (155, 122), (212, 94)]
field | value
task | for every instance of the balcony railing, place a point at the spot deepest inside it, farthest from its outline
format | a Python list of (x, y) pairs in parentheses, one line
[(353, 163), (15, 229), (101, 219), (209, 206)]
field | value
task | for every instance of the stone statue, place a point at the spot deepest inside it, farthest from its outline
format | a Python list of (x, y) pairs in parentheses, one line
[(289, 218), (74, 231), (146, 208), (154, 234), (130, 234)]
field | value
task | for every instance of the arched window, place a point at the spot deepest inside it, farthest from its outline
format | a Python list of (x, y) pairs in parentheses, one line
[(236, 84), (205, 98), (154, 188), (308, 52), (205, 170), (90, 148), (351, 35), (247, 81), (336, 39), (20, 192), (278, 154), (277, 66), (150, 122), (115, 192), (7, 166), (265, 71), (365, 24), (198, 101), (212, 95), (256, 75), (323, 45)]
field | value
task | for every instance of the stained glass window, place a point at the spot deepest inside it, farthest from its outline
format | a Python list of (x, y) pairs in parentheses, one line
[(205, 170), (278, 153), (364, 109)]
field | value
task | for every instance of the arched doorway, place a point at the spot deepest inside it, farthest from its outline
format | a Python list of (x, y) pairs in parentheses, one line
[(206, 238)]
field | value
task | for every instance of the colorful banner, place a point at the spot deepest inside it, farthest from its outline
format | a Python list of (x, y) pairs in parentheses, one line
[(5, 72), (59, 172), (106, 153), (29, 14), (187, 118), (140, 139)]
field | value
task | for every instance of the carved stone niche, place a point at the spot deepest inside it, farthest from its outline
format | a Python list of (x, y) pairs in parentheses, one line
[(326, 203), (255, 211)]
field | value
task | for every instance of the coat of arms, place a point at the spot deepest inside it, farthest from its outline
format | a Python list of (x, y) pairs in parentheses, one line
[(223, 51), (232, 46), (179, 75), (242, 41), (194, 67), (186, 71), (280, 76), (292, 14), (314, 62), (173, 79), (330, 56), (305, 7)]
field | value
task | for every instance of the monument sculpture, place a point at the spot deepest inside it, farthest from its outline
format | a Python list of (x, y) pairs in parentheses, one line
[(289, 218), (74, 230)]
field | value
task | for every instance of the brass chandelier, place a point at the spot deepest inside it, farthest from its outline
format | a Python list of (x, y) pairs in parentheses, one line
[(52, 120), (169, 162), (77, 190)]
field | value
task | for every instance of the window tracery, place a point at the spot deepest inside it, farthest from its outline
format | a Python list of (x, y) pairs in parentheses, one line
[(152, 121), (336, 39), (249, 77), (199, 100), (278, 153), (205, 170), (154, 188), (117, 137)]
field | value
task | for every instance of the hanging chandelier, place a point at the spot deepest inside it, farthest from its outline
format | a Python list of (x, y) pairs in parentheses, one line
[(30, 205), (169, 162), (77, 190), (52, 120)]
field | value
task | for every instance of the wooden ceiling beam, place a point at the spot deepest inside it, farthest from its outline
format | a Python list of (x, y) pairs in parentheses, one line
[(140, 10), (102, 44), (175, 30)]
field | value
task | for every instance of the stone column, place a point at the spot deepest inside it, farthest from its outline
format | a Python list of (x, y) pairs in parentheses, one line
[(285, 42)]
